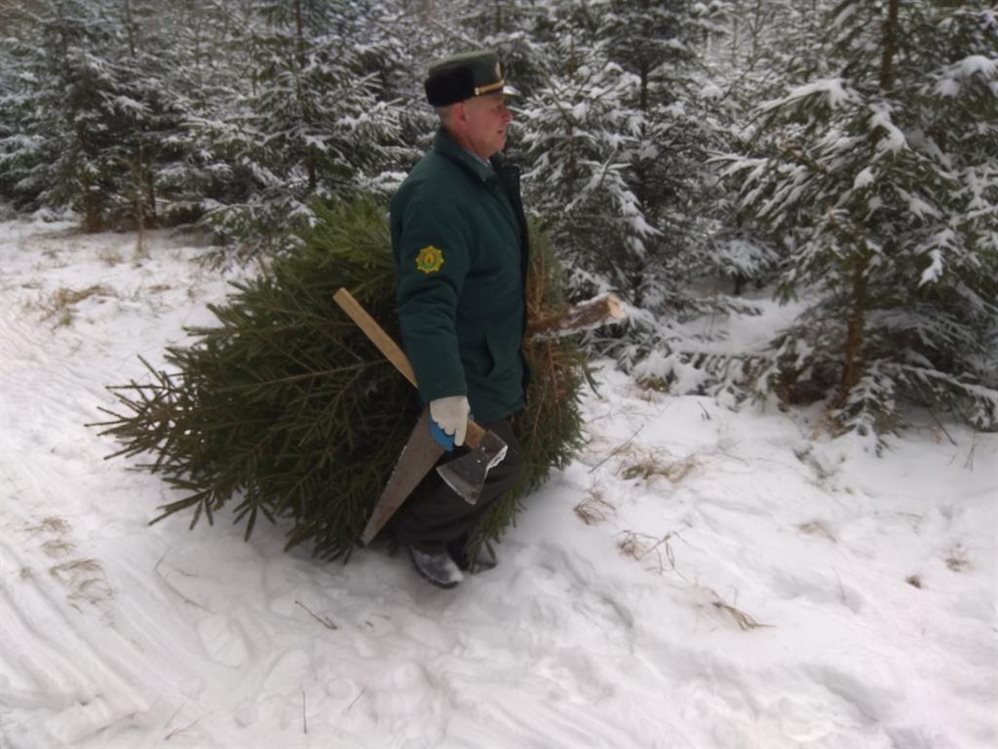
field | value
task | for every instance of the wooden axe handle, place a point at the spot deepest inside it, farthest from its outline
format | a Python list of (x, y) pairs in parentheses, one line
[(391, 350)]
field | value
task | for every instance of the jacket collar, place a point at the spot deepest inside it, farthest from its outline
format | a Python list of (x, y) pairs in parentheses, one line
[(445, 145)]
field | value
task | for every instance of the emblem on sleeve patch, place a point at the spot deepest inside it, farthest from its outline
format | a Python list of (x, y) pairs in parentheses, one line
[(429, 259)]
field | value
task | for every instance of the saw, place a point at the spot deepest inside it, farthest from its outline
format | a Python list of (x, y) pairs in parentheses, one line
[(465, 475)]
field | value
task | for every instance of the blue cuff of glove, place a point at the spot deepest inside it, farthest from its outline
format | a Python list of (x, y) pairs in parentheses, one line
[(446, 441)]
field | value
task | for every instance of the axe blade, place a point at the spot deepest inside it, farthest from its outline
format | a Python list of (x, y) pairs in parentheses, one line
[(466, 475), (418, 456)]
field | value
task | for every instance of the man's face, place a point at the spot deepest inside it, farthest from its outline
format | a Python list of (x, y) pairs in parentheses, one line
[(485, 121)]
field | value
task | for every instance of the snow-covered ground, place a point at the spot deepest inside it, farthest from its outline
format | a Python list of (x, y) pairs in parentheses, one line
[(698, 578)]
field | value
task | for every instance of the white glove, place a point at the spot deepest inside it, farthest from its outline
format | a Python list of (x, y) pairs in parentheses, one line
[(451, 415)]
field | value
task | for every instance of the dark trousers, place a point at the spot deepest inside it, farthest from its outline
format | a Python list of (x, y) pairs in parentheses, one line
[(435, 518)]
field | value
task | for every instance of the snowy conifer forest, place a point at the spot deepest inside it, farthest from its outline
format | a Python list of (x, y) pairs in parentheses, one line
[(690, 156), (771, 519)]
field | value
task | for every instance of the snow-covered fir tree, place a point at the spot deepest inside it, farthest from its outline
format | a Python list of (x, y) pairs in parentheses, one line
[(207, 73), (618, 140), (879, 181), (766, 44), (660, 44), (61, 98), (580, 132), (514, 28), (96, 124), (313, 123), (151, 146), (867, 180), (392, 42), (755, 50)]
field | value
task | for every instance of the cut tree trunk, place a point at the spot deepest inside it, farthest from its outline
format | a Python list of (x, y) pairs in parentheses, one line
[(593, 313)]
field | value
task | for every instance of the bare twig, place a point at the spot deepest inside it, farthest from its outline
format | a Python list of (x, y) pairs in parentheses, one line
[(189, 725), (940, 425), (364, 689), (817, 528), (175, 713), (325, 621), (618, 448), (969, 462), (726, 454), (842, 589), (172, 587), (669, 554), (593, 509), (744, 621), (639, 546)]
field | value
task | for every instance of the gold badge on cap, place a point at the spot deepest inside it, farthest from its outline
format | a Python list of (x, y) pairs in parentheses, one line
[(429, 259)]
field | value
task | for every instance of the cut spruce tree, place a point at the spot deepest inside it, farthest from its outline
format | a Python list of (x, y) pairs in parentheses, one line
[(285, 409)]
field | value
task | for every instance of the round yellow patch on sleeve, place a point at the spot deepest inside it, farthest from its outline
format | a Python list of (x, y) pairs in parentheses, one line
[(429, 259)]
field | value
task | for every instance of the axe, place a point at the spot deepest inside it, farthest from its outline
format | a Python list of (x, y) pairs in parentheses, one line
[(465, 475)]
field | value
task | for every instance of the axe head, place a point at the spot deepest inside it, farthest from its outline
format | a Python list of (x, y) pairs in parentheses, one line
[(466, 475)]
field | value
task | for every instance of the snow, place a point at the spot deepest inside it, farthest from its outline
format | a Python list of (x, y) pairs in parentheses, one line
[(961, 70), (865, 178), (935, 248), (711, 91), (890, 139), (742, 580), (920, 208), (973, 64), (835, 90), (948, 87)]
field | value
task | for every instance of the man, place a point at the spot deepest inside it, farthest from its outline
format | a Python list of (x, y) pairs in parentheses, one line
[(460, 242)]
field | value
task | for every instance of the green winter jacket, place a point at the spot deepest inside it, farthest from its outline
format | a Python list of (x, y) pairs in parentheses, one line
[(460, 242)]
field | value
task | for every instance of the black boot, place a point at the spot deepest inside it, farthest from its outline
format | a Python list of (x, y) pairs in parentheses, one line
[(482, 561), (436, 567)]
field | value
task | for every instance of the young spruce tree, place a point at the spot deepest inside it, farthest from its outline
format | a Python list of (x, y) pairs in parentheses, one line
[(580, 135), (879, 181), (61, 94), (311, 126)]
